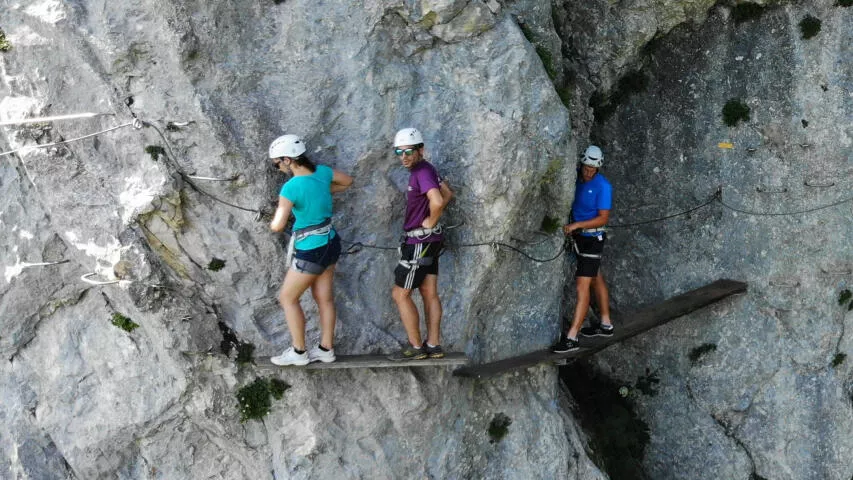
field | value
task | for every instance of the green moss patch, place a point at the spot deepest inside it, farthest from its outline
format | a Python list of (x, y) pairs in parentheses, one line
[(809, 26), (245, 353), (499, 427), (735, 111), (547, 61), (604, 106), (550, 224), (746, 11), (123, 322), (216, 264), (155, 151), (230, 342), (647, 384), (844, 296), (618, 436), (255, 400), (700, 351), (845, 3), (838, 359), (5, 46)]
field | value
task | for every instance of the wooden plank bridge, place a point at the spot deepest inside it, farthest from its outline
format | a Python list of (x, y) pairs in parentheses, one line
[(627, 327), (631, 325), (453, 359)]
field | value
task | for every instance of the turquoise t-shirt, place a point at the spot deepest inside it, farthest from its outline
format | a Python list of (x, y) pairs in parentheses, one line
[(312, 203)]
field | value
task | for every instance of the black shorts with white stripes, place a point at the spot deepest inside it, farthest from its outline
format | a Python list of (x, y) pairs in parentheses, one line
[(412, 277)]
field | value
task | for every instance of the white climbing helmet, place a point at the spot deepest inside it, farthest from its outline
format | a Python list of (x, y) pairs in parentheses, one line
[(287, 146), (408, 136), (593, 157)]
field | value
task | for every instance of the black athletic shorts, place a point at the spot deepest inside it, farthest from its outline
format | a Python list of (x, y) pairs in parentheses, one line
[(322, 257), (588, 267), (410, 278)]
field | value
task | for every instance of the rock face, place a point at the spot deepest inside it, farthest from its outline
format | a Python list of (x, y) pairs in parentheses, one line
[(215, 83), (757, 387), (502, 92)]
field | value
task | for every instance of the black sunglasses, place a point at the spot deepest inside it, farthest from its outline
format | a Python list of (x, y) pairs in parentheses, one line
[(408, 151)]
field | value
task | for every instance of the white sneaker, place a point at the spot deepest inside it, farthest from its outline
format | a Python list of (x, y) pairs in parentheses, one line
[(318, 355), (290, 357)]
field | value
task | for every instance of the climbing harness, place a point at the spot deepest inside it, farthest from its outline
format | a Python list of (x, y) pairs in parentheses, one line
[(574, 246), (424, 233), (324, 228), (414, 263)]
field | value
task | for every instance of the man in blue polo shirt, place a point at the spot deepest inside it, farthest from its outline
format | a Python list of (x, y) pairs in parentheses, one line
[(590, 213)]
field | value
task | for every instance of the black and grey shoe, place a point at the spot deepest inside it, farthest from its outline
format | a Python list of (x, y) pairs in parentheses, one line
[(408, 353), (433, 352), (565, 345), (598, 330)]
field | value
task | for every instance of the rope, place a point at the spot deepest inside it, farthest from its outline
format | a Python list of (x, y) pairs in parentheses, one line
[(514, 249), (187, 178), (780, 214), (654, 220), (357, 246), (213, 179), (43, 264), (54, 118), (135, 123)]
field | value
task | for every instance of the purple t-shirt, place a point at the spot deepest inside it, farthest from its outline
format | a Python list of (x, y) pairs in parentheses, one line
[(423, 177)]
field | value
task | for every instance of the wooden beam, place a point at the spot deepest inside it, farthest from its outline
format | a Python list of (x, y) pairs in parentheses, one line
[(627, 327), (371, 361)]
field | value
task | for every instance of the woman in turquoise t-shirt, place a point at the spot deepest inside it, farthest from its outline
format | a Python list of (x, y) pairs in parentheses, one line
[(314, 247)]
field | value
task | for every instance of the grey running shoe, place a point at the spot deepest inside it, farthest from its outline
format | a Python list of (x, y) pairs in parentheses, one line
[(434, 352), (408, 353), (565, 345), (316, 354), (597, 331)]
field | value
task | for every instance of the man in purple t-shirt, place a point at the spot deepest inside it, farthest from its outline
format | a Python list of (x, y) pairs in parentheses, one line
[(426, 197)]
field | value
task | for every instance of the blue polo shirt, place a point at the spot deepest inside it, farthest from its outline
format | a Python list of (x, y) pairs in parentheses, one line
[(590, 197)]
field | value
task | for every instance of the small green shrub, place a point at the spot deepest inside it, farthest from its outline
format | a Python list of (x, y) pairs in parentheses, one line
[(844, 296), (216, 264), (155, 151), (838, 359), (617, 435), (123, 322), (633, 82), (604, 106), (745, 11), (254, 401), (809, 26), (245, 353), (565, 94), (547, 61), (5, 46), (734, 111), (277, 388), (499, 427), (845, 3), (646, 383), (550, 224), (698, 352)]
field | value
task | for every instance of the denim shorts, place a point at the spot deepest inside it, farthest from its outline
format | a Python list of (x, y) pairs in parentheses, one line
[(323, 256)]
